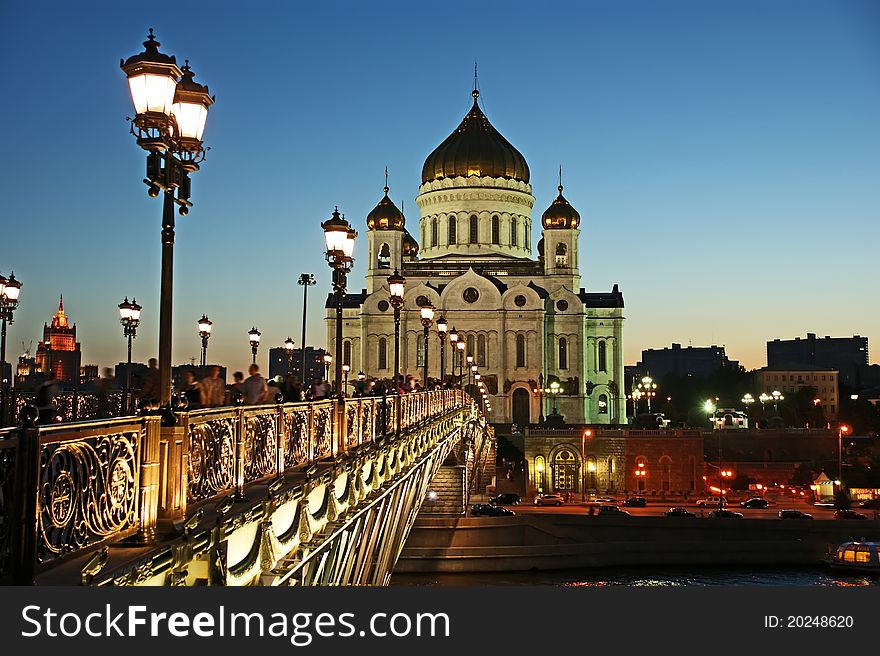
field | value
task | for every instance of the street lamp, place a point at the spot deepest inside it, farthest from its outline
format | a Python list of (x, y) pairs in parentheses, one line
[(306, 280), (396, 287), (442, 327), (748, 400), (204, 325), (777, 397), (345, 369), (586, 434), (554, 391), (459, 346), (129, 317), (171, 111), (10, 288), (763, 398), (254, 339), (427, 317), (842, 430), (648, 389), (470, 361), (636, 396), (288, 347), (339, 239), (540, 392), (328, 360)]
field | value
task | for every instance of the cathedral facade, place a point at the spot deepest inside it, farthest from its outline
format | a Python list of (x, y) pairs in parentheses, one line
[(526, 321)]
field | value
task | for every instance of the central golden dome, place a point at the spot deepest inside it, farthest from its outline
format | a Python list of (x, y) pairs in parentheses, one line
[(475, 148)]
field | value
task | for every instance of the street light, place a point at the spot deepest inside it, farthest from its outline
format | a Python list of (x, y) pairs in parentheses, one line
[(748, 400), (442, 327), (777, 397), (396, 287), (554, 390), (763, 398), (586, 434), (171, 111), (129, 317), (427, 317), (204, 325), (648, 389), (459, 346), (254, 339), (842, 430), (345, 369), (339, 239), (10, 288), (328, 360), (288, 346), (636, 396), (306, 280)]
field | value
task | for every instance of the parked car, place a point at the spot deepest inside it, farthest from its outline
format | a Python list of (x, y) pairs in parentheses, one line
[(794, 514), (724, 513), (610, 510), (712, 502), (679, 512), (636, 502), (871, 504), (849, 514), (505, 499), (604, 500), (549, 499), (486, 510), (756, 502)]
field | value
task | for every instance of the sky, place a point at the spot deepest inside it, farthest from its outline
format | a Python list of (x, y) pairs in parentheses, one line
[(723, 157)]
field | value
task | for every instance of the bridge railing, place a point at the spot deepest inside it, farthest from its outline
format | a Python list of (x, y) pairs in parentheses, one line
[(71, 487)]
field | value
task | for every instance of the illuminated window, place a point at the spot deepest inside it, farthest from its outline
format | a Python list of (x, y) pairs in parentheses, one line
[(346, 353), (496, 230), (383, 353), (603, 404), (561, 255), (450, 237), (602, 360), (563, 353), (520, 351), (863, 554), (473, 235)]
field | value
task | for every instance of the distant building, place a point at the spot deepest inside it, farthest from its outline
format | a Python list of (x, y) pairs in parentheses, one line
[(26, 371), (138, 374), (792, 378), (88, 373), (279, 363), (6, 374), (691, 361), (59, 351), (847, 355)]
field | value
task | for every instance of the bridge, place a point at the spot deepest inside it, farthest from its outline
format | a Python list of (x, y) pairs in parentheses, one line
[(318, 493)]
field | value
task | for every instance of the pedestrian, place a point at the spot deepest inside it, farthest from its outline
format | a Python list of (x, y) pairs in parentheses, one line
[(213, 389), (191, 390), (234, 387), (255, 388), (45, 399), (150, 381)]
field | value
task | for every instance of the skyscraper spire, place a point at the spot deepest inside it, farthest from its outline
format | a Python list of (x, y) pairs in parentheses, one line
[(475, 93)]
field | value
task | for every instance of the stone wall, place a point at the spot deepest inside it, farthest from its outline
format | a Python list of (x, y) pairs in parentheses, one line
[(446, 494)]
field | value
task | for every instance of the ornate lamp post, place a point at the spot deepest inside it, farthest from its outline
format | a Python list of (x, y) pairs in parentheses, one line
[(777, 397), (204, 325), (584, 436), (748, 400), (842, 430), (288, 348), (459, 346), (427, 317), (470, 361), (345, 369), (129, 317), (453, 346), (328, 360), (339, 239), (442, 327), (254, 339), (10, 288), (763, 398), (648, 389), (171, 110), (554, 390), (361, 388), (306, 280), (540, 392), (396, 287)]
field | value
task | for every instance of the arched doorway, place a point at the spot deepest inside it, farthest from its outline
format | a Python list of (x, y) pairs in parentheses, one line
[(521, 412), (565, 469)]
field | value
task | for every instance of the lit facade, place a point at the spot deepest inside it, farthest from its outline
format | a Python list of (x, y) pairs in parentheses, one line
[(59, 351), (792, 378)]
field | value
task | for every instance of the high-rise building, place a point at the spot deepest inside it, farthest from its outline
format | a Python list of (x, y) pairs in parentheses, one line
[(848, 355), (691, 361), (279, 365), (59, 351)]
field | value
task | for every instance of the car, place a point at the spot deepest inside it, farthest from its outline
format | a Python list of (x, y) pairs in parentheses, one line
[(636, 502), (486, 510), (604, 500), (724, 513), (611, 510), (794, 514), (505, 499), (549, 499), (712, 502), (849, 514), (871, 504), (756, 502), (679, 512)]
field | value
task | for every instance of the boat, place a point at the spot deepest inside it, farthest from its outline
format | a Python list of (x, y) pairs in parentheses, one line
[(855, 556)]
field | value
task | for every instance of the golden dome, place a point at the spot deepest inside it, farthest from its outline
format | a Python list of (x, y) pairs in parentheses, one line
[(560, 214), (410, 245), (385, 216), (475, 148)]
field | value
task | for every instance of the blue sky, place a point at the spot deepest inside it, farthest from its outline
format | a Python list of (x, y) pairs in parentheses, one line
[(723, 156)]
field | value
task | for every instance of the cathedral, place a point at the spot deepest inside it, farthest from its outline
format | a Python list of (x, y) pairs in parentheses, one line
[(526, 321)]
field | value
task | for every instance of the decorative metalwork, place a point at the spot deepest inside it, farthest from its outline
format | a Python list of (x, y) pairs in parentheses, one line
[(260, 446), (352, 424), (8, 453), (322, 432), (296, 427), (88, 491), (211, 457), (73, 406)]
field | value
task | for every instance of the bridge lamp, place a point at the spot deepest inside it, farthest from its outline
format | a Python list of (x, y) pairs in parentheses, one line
[(339, 239), (442, 328), (129, 317), (396, 288), (427, 319), (254, 340), (288, 347), (204, 327)]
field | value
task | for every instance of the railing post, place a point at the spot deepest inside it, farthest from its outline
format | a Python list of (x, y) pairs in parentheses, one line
[(310, 433), (340, 426), (173, 471), (238, 491), (27, 488), (149, 479), (281, 441)]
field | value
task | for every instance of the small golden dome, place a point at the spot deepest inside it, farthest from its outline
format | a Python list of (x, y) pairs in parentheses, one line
[(385, 216), (560, 215), (410, 245)]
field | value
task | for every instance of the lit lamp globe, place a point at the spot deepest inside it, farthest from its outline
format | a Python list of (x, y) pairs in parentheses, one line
[(10, 288), (152, 79), (338, 237), (442, 326), (254, 337), (190, 110), (396, 286), (427, 314), (125, 311), (204, 325)]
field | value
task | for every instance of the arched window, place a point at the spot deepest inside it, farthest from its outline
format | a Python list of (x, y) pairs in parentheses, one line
[(383, 353), (602, 359), (481, 350), (470, 346), (561, 255), (513, 230), (496, 230), (451, 229), (520, 350), (473, 233), (435, 232), (603, 404), (346, 352), (563, 353), (384, 260)]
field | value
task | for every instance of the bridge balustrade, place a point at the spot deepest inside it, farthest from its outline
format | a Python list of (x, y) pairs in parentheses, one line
[(71, 487)]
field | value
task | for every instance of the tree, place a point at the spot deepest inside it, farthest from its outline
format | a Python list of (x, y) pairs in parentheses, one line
[(841, 500)]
